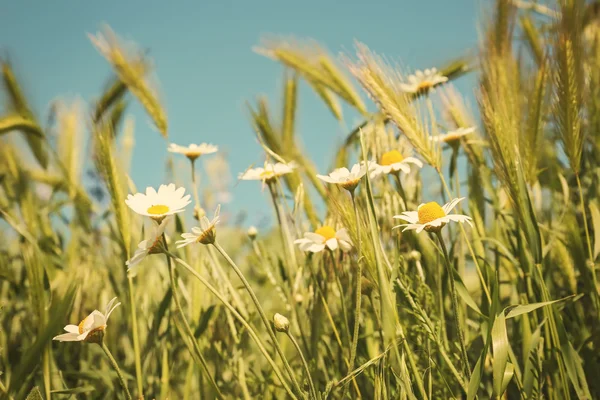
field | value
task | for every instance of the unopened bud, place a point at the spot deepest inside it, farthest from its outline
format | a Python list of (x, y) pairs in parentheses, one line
[(199, 213), (252, 232), (281, 323)]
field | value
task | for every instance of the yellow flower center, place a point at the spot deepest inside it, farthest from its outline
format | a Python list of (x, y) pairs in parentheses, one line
[(158, 209), (267, 174), (391, 157), (326, 231), (424, 85), (81, 326), (451, 138), (429, 212)]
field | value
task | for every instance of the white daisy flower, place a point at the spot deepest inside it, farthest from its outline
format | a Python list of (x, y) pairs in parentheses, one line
[(267, 173), (452, 137), (393, 162), (422, 81), (431, 217), (325, 236), (345, 178), (91, 329), (152, 245), (157, 205), (193, 151), (205, 234)]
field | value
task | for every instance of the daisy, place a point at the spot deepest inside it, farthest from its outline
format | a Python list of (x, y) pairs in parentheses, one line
[(158, 205), (193, 151), (267, 173), (393, 162), (452, 137), (152, 245), (346, 179), (205, 234), (431, 217), (325, 236), (422, 81), (91, 329)]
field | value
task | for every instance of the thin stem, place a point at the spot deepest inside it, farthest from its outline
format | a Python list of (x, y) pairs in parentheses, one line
[(283, 229), (194, 185), (262, 314), (188, 329), (400, 189), (240, 318), (358, 299), (136, 339), (464, 234), (455, 308), (313, 391), (589, 244), (115, 366)]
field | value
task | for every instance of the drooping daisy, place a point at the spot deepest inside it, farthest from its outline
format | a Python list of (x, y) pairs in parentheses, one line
[(453, 137), (325, 236), (152, 245), (267, 173), (393, 162), (205, 234), (91, 329), (158, 205), (431, 217), (193, 151), (348, 179), (422, 81)]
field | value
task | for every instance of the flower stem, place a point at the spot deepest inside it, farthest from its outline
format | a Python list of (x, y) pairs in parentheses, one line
[(313, 391), (262, 314), (357, 301), (401, 191), (188, 329), (455, 309), (194, 185), (283, 229), (240, 318), (467, 241), (115, 366), (136, 338), (589, 245)]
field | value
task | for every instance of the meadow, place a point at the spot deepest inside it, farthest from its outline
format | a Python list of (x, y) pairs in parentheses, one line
[(374, 281)]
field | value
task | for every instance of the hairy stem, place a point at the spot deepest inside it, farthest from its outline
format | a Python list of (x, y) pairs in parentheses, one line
[(115, 366), (455, 309), (188, 329), (262, 314), (240, 318)]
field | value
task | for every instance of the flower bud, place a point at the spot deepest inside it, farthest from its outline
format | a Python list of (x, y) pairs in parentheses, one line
[(252, 232), (281, 323)]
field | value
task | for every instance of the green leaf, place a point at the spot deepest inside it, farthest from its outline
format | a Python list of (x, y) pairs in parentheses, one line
[(530, 374), (476, 376), (31, 357), (77, 390), (35, 394), (514, 311), (596, 225), (500, 351), (463, 292)]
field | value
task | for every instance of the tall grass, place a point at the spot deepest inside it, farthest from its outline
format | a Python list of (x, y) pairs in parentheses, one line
[(506, 308)]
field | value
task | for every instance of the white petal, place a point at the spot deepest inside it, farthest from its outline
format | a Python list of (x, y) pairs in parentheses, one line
[(314, 237), (72, 329), (342, 234), (332, 243), (67, 337), (451, 204)]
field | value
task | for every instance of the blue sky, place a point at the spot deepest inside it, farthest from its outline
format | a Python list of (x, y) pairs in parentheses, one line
[(202, 52)]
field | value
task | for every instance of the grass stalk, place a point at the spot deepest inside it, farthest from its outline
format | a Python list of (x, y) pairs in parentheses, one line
[(115, 366)]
